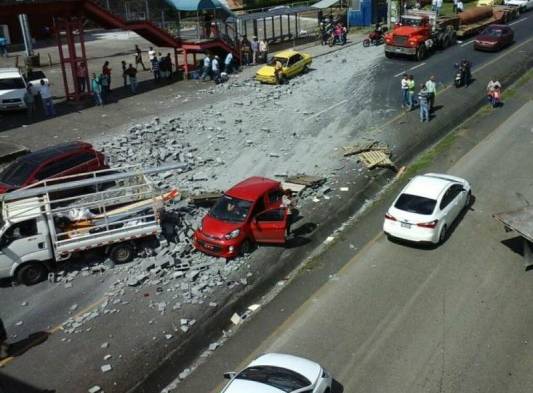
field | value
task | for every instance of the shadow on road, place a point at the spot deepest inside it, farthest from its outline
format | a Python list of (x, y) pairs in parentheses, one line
[(336, 387), (12, 385)]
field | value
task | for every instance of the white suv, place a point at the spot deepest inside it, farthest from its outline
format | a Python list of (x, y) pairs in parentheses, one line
[(13, 86)]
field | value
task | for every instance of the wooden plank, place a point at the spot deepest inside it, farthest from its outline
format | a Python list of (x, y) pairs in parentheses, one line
[(362, 147), (309, 181)]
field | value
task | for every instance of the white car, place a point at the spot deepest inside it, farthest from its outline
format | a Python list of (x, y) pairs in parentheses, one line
[(279, 373), (426, 208), (522, 4)]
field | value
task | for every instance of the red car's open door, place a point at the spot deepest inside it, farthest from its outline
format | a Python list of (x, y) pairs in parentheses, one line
[(270, 226)]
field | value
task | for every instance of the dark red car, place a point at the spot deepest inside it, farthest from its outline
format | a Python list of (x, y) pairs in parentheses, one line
[(60, 160), (494, 37), (250, 212)]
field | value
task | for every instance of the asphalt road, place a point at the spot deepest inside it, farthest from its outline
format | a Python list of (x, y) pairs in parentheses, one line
[(398, 318), (385, 92)]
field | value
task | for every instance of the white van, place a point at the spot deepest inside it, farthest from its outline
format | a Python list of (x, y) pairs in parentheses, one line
[(13, 85)]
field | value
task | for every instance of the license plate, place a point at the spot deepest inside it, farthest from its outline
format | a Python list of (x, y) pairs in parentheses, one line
[(405, 225)]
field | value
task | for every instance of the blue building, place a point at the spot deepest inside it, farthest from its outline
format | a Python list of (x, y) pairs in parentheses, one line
[(366, 12)]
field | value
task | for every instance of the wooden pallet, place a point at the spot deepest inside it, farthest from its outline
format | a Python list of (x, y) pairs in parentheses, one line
[(362, 147), (376, 158)]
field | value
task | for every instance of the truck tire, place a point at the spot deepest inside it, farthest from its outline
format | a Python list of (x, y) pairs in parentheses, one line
[(421, 52), (389, 55), (122, 253), (31, 273)]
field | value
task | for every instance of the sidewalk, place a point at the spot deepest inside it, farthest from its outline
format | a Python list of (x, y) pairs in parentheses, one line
[(83, 120)]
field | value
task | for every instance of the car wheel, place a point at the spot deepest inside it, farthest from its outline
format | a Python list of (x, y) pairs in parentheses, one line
[(388, 55), (122, 253), (443, 234), (247, 247), (31, 273), (468, 198)]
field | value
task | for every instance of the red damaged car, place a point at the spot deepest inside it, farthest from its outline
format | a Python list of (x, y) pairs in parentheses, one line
[(248, 213)]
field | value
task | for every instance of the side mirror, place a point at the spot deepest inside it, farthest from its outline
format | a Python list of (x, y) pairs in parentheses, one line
[(230, 375)]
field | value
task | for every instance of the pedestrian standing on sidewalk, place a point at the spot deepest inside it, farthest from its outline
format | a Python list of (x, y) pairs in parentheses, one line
[(139, 57), (411, 86), (103, 82), (4, 347), (3, 47), (81, 74), (151, 55), (206, 69), (228, 63), (106, 72), (132, 78), (29, 100), (48, 101), (431, 87), (155, 69), (404, 84), (255, 50), (96, 88), (215, 68), (263, 51), (124, 75), (245, 50), (423, 101)]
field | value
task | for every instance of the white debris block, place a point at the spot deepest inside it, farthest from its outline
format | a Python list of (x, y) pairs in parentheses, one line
[(236, 319), (107, 357), (95, 389), (254, 307), (105, 368), (104, 345), (19, 323), (24, 303), (168, 336), (329, 239), (344, 189), (74, 307)]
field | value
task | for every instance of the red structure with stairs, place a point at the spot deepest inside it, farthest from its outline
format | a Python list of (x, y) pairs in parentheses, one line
[(70, 16)]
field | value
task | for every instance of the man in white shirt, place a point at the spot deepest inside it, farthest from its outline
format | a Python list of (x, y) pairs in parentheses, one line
[(206, 69), (405, 91), (215, 68), (438, 4), (48, 101), (151, 55), (460, 6), (228, 63), (431, 88)]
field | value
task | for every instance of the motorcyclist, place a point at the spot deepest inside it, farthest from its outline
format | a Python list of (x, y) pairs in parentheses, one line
[(466, 72)]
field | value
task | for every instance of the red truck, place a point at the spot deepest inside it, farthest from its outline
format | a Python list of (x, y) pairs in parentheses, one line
[(419, 32)]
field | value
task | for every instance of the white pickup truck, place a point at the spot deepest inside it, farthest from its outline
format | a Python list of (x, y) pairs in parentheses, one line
[(38, 228), (13, 86)]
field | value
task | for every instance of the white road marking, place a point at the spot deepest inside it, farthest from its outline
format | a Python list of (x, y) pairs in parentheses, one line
[(467, 43), (518, 21), (328, 109), (410, 69)]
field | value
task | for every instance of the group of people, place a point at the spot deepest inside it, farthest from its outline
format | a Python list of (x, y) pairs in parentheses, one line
[(425, 98), (332, 31), (36, 96), (215, 70), (253, 52)]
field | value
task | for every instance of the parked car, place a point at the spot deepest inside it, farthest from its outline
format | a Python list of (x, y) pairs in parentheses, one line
[(523, 5), (293, 63), (426, 208), (13, 86), (494, 37), (277, 372), (60, 160), (248, 213)]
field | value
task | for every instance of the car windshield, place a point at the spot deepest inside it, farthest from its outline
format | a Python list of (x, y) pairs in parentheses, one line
[(280, 378), (17, 173), (11, 84), (415, 204), (231, 209), (493, 32), (406, 21)]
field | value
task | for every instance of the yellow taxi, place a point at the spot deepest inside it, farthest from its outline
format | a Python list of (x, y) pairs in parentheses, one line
[(292, 63)]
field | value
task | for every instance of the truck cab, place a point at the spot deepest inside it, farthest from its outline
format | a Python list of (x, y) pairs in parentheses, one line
[(25, 246)]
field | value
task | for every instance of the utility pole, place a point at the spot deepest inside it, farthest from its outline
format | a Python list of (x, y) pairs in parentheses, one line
[(26, 36)]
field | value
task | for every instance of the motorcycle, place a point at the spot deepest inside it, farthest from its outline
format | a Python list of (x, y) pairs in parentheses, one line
[(462, 75), (375, 38), (494, 97)]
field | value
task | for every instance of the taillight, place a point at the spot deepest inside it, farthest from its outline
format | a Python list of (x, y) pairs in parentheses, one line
[(431, 224), (389, 217)]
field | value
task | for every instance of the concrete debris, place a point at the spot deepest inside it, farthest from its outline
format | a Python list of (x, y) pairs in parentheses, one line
[(254, 307), (235, 319), (95, 389), (104, 345), (308, 181), (106, 368), (184, 374), (107, 357)]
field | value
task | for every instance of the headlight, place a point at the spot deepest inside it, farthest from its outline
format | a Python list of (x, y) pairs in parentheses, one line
[(232, 234)]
